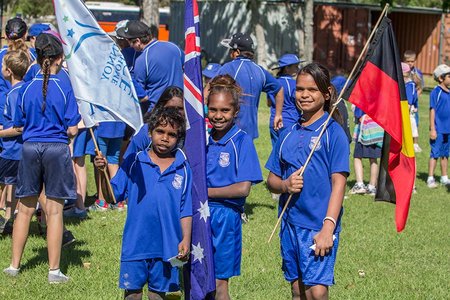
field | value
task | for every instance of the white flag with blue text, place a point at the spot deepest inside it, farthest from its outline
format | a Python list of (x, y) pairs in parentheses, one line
[(98, 72)]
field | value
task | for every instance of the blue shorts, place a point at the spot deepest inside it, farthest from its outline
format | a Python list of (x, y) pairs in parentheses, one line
[(159, 275), (440, 147), (299, 261), (46, 164), (8, 171), (110, 147), (83, 143), (226, 229)]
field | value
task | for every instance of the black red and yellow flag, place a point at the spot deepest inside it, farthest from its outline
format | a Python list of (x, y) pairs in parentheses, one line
[(379, 90)]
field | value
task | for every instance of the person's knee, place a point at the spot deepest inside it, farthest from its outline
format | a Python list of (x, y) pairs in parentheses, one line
[(132, 295), (318, 292), (53, 208)]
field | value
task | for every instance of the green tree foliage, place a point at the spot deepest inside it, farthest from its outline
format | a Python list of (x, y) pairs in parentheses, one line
[(405, 3)]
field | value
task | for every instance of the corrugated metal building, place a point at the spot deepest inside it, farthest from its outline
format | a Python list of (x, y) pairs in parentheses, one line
[(340, 30)]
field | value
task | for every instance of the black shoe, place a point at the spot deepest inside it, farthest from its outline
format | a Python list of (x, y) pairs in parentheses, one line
[(68, 238), (8, 229)]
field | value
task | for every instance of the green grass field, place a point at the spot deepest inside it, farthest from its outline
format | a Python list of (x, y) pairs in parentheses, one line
[(414, 264)]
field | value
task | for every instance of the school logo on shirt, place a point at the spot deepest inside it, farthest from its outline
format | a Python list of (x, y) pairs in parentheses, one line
[(224, 159), (177, 181), (313, 141)]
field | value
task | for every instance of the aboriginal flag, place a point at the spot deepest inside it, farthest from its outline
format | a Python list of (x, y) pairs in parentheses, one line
[(379, 90)]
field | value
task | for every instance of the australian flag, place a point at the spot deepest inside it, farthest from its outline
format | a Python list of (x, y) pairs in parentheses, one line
[(199, 276)]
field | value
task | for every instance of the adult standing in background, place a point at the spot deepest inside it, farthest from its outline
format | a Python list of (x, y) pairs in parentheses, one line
[(159, 66), (253, 79)]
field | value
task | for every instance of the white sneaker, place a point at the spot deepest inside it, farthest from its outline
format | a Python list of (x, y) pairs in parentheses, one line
[(417, 148), (431, 183), (11, 272), (444, 182), (358, 189), (57, 278)]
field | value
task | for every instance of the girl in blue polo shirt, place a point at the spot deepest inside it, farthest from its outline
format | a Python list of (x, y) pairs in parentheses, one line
[(14, 67), (232, 167), (157, 183), (47, 114), (314, 213)]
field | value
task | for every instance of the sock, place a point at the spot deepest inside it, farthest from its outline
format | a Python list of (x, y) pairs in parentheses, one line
[(369, 186), (13, 269), (54, 272), (360, 183)]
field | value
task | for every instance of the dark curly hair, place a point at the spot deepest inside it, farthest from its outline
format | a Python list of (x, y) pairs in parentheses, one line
[(168, 115)]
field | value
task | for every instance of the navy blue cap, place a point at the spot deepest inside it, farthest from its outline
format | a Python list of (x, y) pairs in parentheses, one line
[(211, 70), (37, 29), (241, 41), (287, 60)]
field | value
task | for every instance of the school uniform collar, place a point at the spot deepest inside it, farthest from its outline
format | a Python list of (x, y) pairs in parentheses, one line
[(287, 76), (180, 158), (240, 57), (41, 76), (317, 125), (151, 44), (18, 84), (442, 89), (228, 136)]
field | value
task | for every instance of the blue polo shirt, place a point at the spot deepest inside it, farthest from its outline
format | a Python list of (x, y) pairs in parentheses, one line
[(61, 111), (130, 56), (139, 142), (111, 129), (411, 94), (290, 112), (35, 69), (253, 80), (159, 66), (230, 160), (12, 146), (440, 102), (156, 203), (308, 208)]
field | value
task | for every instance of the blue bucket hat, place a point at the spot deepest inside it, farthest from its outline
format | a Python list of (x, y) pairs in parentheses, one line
[(211, 70), (37, 29), (287, 60)]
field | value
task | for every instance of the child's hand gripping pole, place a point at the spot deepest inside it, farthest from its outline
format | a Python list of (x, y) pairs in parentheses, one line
[(362, 54), (302, 170), (105, 172)]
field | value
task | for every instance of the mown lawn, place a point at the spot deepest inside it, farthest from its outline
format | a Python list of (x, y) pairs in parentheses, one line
[(374, 261)]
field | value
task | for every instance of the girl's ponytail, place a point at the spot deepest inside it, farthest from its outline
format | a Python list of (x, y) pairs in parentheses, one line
[(46, 63)]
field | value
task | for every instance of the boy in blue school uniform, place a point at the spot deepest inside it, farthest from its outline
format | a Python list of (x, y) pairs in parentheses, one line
[(15, 65), (232, 167), (314, 213), (287, 71), (158, 186), (159, 66), (439, 125), (253, 80)]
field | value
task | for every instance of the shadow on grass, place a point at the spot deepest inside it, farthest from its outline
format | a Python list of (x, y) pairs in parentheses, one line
[(70, 255), (249, 207), (422, 176)]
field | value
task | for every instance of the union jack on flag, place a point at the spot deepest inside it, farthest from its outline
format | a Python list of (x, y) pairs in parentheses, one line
[(199, 276)]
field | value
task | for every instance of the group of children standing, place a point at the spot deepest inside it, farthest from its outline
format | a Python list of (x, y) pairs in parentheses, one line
[(41, 117)]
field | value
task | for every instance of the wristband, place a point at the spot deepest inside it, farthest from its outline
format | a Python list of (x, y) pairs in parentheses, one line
[(331, 219)]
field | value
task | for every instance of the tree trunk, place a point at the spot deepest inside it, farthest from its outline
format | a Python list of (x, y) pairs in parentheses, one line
[(296, 11), (309, 31), (257, 28), (150, 12)]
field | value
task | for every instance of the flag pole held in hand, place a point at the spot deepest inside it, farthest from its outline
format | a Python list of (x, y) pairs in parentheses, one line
[(329, 116)]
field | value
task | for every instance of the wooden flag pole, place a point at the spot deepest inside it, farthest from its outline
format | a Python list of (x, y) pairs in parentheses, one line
[(105, 172), (383, 13)]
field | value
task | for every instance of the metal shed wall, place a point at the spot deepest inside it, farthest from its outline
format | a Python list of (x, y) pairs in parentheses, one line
[(234, 17)]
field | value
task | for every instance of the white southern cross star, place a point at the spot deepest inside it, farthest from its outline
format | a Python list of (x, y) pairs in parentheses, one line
[(204, 210), (197, 251)]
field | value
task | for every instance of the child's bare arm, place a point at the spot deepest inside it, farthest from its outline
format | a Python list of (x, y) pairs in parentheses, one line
[(433, 133), (72, 131), (236, 190), (185, 245), (324, 239), (11, 132), (292, 185)]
